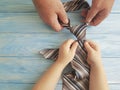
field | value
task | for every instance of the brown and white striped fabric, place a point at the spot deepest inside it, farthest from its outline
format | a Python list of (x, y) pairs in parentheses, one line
[(75, 5), (78, 77)]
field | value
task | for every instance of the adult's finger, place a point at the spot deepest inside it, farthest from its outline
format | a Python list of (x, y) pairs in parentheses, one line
[(99, 17), (84, 13), (54, 23), (63, 16), (91, 14)]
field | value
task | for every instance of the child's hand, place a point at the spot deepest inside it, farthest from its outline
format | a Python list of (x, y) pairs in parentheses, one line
[(94, 55), (67, 51), (50, 11)]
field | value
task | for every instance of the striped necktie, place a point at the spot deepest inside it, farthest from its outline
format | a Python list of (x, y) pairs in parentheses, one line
[(78, 77)]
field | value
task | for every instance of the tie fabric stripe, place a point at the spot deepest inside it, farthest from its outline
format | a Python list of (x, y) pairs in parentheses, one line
[(79, 31), (75, 5), (78, 77), (50, 53)]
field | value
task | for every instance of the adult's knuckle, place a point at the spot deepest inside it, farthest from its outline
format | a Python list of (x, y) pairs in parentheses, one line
[(96, 7), (106, 12)]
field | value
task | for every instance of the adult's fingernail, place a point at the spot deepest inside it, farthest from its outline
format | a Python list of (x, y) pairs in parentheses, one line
[(88, 20), (58, 28), (66, 20), (88, 24)]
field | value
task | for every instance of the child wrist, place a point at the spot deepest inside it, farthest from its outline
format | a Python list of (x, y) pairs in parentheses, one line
[(96, 65), (62, 63)]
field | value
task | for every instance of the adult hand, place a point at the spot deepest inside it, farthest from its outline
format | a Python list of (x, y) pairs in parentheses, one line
[(98, 11), (50, 11)]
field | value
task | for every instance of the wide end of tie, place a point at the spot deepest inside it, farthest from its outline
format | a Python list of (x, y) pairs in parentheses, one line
[(49, 53)]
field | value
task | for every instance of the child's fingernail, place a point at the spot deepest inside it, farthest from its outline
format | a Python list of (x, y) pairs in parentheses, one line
[(74, 41), (77, 43)]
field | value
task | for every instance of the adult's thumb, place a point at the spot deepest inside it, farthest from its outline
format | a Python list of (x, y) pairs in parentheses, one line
[(63, 16), (91, 14)]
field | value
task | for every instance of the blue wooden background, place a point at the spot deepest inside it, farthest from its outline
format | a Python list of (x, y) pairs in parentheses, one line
[(23, 35)]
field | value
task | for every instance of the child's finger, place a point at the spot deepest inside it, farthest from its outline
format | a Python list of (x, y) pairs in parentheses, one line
[(74, 46), (91, 14), (93, 45), (87, 46), (68, 43)]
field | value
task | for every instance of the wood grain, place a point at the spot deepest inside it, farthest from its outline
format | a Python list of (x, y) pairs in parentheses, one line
[(28, 70), (23, 35), (26, 6), (31, 23)]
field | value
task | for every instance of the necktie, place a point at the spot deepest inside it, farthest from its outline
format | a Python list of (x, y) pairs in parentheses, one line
[(78, 77)]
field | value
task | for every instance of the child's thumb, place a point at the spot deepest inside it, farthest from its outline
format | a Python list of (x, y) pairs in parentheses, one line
[(74, 46)]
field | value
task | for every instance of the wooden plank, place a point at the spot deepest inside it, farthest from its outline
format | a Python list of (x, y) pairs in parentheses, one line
[(14, 86), (18, 86), (16, 44), (27, 22), (22, 70), (22, 35), (29, 87), (114, 86), (19, 6), (28, 70), (31, 23), (27, 44)]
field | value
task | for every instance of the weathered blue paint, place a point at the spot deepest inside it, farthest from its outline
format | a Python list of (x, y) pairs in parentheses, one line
[(22, 35)]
